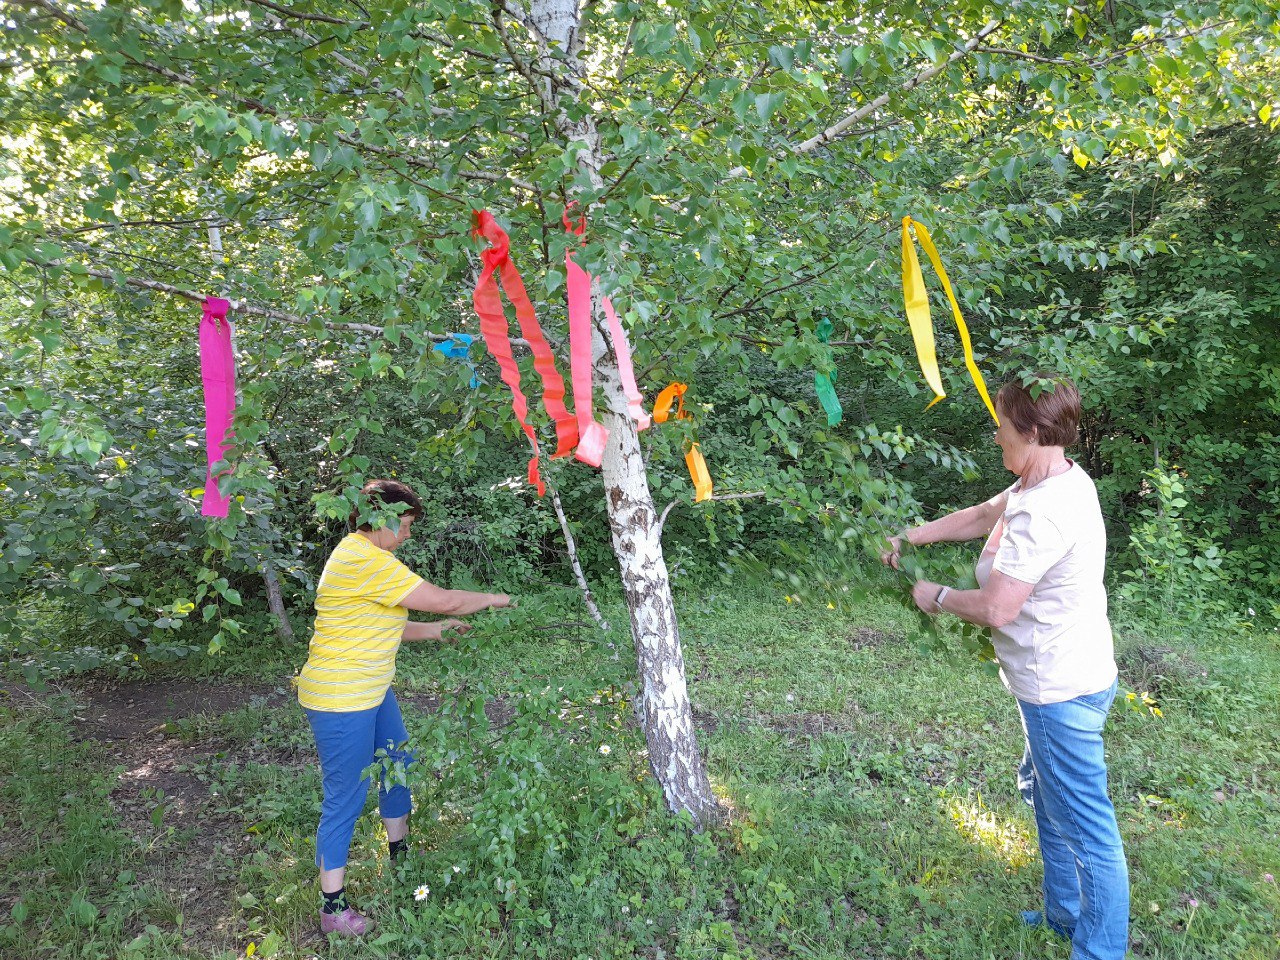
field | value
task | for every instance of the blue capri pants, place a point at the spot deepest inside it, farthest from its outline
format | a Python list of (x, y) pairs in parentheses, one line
[(347, 743)]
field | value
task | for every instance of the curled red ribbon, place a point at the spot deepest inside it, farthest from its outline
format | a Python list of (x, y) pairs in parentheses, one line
[(496, 331)]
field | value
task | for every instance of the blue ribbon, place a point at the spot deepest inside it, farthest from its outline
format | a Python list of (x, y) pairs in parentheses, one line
[(458, 347)]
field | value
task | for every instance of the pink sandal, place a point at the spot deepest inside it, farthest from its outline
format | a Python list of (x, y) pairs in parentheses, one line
[(348, 923)]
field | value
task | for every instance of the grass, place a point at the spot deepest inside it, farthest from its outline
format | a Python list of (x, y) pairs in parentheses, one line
[(874, 808)]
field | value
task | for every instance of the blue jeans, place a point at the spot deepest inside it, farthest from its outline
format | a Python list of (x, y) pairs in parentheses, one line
[(1063, 776), (347, 743)]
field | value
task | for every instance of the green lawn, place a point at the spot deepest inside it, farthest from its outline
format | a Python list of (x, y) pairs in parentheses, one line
[(874, 811)]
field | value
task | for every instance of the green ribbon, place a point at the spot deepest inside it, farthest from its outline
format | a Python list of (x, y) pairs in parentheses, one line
[(825, 383)]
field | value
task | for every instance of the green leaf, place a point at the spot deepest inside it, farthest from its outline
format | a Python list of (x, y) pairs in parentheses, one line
[(782, 57), (370, 214), (767, 103)]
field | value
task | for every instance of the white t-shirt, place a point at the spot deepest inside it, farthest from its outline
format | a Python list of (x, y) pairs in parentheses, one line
[(1059, 646)]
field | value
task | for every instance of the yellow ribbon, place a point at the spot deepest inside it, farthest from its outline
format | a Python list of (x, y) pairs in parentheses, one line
[(918, 315)]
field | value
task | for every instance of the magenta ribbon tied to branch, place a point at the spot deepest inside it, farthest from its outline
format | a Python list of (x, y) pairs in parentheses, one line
[(218, 373)]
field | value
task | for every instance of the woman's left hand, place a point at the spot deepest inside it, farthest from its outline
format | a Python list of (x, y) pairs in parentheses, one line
[(451, 629), (925, 594)]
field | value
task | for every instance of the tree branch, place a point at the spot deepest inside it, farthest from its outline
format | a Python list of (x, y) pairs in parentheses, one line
[(1023, 55), (751, 304), (1087, 64), (252, 309), (841, 126), (720, 497), (626, 49), (577, 566), (315, 17)]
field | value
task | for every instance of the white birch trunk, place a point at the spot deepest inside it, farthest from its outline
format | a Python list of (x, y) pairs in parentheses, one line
[(666, 714), (667, 717)]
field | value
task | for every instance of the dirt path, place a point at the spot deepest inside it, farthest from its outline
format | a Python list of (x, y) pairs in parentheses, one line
[(161, 736)]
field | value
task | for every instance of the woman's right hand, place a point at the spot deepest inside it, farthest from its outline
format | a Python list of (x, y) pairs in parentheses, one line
[(500, 600), (893, 554)]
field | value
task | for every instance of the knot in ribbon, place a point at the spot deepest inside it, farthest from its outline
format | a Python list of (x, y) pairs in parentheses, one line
[(672, 393)]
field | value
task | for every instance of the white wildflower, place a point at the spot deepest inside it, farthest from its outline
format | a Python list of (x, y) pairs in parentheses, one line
[(422, 893), (605, 750)]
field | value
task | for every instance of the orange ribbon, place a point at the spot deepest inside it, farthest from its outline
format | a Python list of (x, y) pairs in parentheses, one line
[(662, 406), (698, 474), (674, 393)]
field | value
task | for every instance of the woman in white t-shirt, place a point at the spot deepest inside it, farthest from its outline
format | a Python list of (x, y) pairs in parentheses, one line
[(1041, 592)]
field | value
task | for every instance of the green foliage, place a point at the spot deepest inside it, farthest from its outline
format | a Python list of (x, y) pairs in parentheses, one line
[(1176, 569), (1101, 183)]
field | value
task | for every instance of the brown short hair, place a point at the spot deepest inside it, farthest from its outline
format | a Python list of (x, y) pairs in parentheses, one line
[(1045, 406), (384, 493)]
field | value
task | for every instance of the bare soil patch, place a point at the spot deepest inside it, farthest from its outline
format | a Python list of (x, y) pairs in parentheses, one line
[(499, 710), (126, 711), (189, 848), (192, 850), (805, 723), (865, 638), (1161, 671)]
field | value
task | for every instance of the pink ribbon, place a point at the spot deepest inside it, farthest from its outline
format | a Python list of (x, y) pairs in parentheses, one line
[(592, 435), (218, 372)]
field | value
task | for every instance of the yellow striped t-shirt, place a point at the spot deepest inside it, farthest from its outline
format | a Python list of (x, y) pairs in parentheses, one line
[(359, 625)]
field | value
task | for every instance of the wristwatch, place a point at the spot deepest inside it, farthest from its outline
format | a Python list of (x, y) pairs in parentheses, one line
[(942, 595)]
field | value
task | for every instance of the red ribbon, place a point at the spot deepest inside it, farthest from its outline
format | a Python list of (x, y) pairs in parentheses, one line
[(593, 435), (635, 402), (497, 337)]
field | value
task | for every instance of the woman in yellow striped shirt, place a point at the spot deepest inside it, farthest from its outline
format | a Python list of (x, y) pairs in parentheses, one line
[(362, 616)]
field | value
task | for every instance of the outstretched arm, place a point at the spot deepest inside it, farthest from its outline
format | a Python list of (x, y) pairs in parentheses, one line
[(995, 605), (428, 598), (434, 631), (966, 524)]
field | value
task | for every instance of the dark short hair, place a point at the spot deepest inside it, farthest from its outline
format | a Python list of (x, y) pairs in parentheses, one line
[(384, 493), (1052, 414)]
